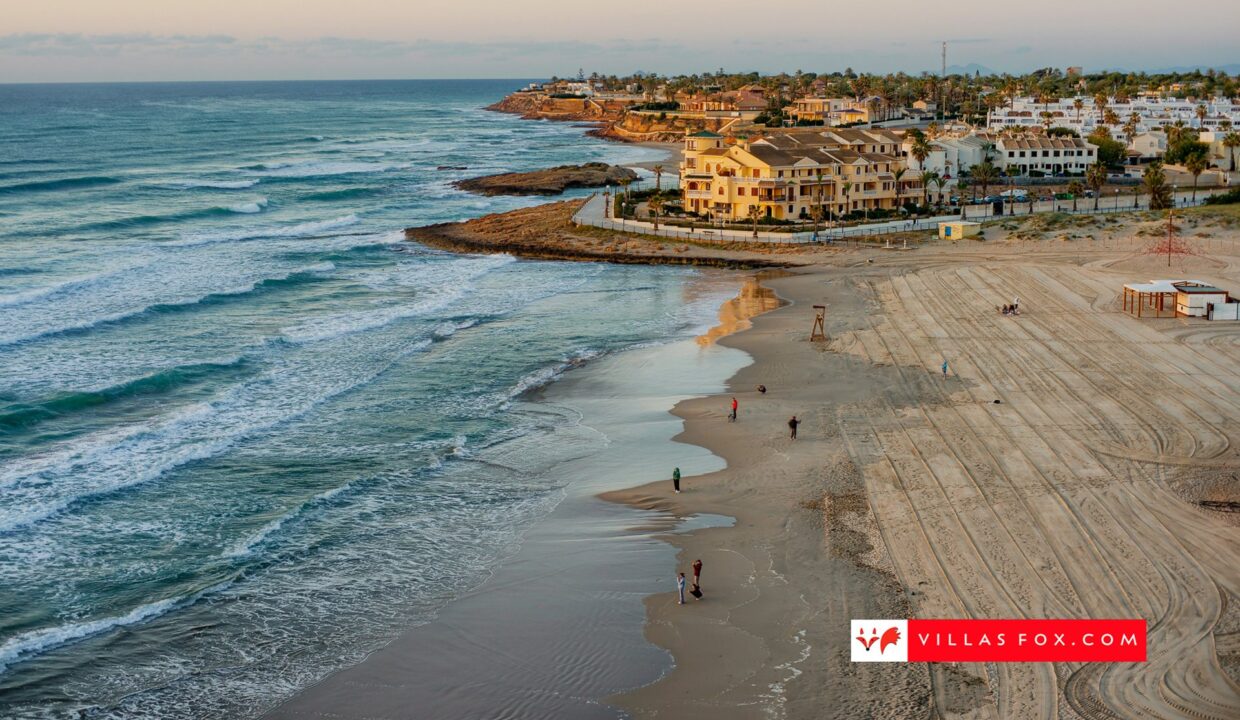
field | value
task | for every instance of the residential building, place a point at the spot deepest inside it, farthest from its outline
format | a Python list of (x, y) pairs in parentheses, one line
[(1046, 155), (787, 175), (831, 111), (949, 156), (1148, 145), (1152, 112)]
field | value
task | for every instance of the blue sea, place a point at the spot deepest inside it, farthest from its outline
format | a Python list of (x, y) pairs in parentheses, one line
[(247, 433)]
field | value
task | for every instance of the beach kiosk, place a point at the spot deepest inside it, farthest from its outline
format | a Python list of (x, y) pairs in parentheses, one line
[(958, 229), (1175, 298)]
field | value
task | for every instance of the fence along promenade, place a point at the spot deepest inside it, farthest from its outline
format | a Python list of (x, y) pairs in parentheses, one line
[(592, 215)]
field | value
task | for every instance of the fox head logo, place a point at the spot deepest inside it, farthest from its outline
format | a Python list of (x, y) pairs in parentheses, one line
[(890, 636)]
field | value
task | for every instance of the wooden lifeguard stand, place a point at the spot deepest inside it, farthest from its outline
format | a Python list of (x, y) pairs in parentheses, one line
[(819, 332)]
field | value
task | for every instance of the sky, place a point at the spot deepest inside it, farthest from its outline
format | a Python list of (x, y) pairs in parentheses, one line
[(137, 40)]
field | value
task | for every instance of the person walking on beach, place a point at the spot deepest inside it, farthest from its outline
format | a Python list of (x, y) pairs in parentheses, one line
[(944, 368), (734, 406), (793, 425), (680, 588), (676, 479), (697, 574)]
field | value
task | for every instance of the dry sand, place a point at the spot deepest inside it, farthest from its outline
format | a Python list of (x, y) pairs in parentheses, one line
[(908, 495)]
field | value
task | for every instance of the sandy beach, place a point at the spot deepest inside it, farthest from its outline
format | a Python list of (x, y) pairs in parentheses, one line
[(1054, 473), (1057, 471)]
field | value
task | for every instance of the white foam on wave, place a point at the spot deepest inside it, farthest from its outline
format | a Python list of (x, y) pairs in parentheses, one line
[(73, 283), (306, 229), (36, 641), (319, 168), (42, 486), (250, 207), (551, 373), (452, 280), (86, 323), (216, 184)]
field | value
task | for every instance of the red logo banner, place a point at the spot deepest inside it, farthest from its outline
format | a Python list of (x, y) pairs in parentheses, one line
[(1109, 640)]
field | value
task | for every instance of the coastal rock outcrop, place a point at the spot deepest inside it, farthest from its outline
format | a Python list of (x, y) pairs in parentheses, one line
[(551, 181), (546, 232)]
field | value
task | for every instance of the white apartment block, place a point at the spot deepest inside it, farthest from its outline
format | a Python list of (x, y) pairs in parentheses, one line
[(1048, 155), (1153, 113)]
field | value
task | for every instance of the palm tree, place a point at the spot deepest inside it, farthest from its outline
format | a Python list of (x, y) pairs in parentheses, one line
[(1201, 116), (754, 214), (984, 175), (658, 177), (940, 181), (962, 187), (1100, 103), (899, 175), (847, 187), (656, 206), (1075, 188), (1130, 127), (1047, 118), (1231, 141), (1155, 181), (1096, 178), (920, 150), (927, 177), (1195, 165), (1078, 104)]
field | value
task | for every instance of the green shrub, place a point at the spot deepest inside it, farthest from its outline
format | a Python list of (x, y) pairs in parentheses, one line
[(1228, 198)]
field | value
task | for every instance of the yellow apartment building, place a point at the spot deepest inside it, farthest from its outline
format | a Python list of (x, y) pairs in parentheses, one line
[(787, 175)]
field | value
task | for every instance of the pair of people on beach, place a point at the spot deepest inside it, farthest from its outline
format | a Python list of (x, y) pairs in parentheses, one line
[(697, 583)]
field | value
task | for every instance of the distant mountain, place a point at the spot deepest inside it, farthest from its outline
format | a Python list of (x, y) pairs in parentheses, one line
[(1230, 69)]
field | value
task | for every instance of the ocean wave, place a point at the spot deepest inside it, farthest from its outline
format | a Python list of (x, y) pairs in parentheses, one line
[(24, 415), (246, 545), (545, 376), (344, 194), (214, 184), (72, 183), (250, 207), (40, 293), (43, 486), (318, 168), (32, 643), (452, 288), (306, 229), (305, 274), (133, 221)]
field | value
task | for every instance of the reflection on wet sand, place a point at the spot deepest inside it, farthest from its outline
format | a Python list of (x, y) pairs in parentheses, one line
[(753, 300)]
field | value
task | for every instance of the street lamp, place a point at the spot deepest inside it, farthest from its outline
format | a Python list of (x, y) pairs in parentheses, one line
[(1117, 199)]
